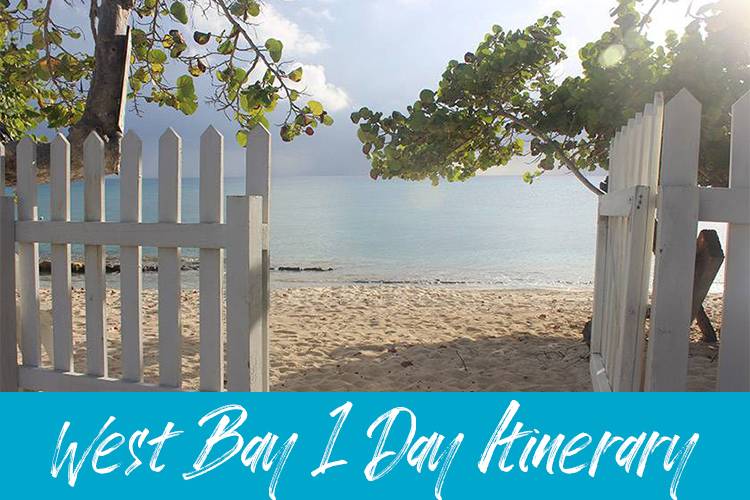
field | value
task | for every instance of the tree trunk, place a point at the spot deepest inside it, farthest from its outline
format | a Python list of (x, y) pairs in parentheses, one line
[(105, 102), (708, 259)]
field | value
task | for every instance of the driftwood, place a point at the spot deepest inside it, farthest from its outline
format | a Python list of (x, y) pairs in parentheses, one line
[(708, 260)]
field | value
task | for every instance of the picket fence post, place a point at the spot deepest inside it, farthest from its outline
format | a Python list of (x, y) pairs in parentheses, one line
[(245, 299), (678, 207), (28, 254), (95, 277), (8, 353), (211, 269), (734, 352), (131, 310), (258, 183), (170, 295), (62, 300)]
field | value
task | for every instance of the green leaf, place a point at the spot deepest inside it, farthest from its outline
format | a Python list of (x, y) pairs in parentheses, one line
[(275, 48), (315, 108), (185, 87), (253, 8), (241, 136), (296, 75), (245, 104), (37, 40), (201, 38), (226, 47), (327, 120), (156, 56), (177, 50), (179, 12), (188, 106), (427, 96)]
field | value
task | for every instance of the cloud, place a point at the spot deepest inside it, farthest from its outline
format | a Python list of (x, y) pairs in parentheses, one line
[(296, 41), (298, 44), (270, 24), (318, 14), (414, 3), (318, 87)]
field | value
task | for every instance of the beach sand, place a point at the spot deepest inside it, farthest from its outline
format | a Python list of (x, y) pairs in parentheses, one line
[(387, 338)]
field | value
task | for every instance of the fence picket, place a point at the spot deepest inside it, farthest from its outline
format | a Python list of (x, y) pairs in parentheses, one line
[(678, 206), (170, 322), (245, 295), (650, 178), (647, 138), (130, 260), (96, 286), (632, 312), (606, 323), (618, 182), (258, 183), (211, 267), (734, 355), (8, 353), (62, 302), (28, 254)]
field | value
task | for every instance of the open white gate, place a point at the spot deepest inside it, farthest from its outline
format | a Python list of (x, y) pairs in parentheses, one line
[(626, 223), (623, 249)]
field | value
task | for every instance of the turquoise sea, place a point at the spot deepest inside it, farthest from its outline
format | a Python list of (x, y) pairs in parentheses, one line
[(492, 231)]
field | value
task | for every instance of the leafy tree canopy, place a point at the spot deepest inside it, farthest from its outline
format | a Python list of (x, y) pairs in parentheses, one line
[(502, 100), (44, 73)]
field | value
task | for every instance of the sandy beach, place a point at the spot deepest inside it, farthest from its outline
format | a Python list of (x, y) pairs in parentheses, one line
[(388, 338)]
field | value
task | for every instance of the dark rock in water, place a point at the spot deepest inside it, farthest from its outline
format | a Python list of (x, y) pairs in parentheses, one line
[(298, 269), (587, 333), (112, 268), (45, 267)]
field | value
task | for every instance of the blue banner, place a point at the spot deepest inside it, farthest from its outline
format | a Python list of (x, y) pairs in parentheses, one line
[(375, 445)]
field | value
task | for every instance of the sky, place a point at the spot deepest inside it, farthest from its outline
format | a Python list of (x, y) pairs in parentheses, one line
[(379, 54)]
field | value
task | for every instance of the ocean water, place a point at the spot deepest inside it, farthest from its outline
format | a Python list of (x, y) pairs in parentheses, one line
[(487, 232)]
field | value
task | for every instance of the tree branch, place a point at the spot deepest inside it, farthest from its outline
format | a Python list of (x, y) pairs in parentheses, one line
[(92, 18), (567, 161)]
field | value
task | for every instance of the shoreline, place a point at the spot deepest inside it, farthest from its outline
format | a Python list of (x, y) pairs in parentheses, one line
[(192, 265)]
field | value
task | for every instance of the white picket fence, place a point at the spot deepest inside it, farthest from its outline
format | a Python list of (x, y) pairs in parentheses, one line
[(624, 355), (243, 236)]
